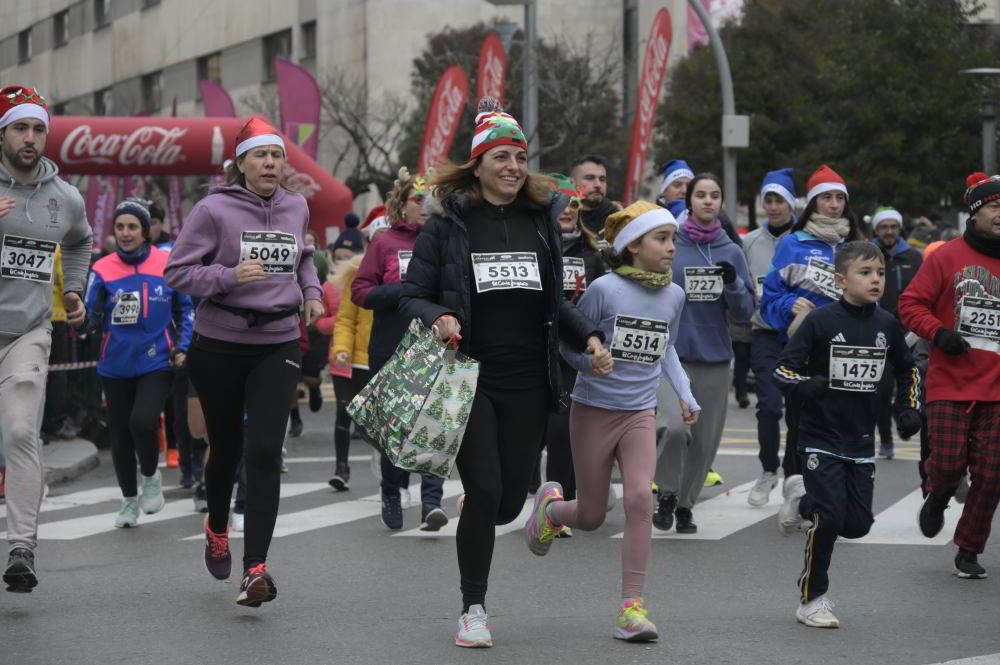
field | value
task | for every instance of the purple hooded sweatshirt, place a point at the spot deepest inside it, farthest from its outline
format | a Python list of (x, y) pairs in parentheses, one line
[(232, 222)]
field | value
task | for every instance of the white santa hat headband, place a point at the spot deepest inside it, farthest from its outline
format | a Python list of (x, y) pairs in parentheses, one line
[(255, 134), (642, 225)]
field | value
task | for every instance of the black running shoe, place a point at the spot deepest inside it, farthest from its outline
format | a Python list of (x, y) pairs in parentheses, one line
[(218, 559), (200, 498), (663, 518), (295, 428), (257, 587), (432, 518), (315, 399), (392, 512), (20, 573), (685, 521), (341, 480), (967, 567), (932, 515)]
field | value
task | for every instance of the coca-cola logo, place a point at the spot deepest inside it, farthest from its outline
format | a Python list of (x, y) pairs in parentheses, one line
[(449, 108), (144, 146), (491, 71)]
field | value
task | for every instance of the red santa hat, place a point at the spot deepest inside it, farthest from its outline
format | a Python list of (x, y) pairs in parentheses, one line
[(824, 179), (255, 133), (18, 102), (375, 221)]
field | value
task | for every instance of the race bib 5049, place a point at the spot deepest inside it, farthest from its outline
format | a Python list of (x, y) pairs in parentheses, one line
[(639, 340), (27, 258), (856, 368), (506, 270), (277, 249)]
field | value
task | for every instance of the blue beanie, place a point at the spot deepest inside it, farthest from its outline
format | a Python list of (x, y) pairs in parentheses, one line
[(133, 206), (351, 221), (350, 238), (780, 182), (674, 169)]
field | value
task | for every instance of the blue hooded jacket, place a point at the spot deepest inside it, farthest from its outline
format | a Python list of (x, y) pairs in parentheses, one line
[(141, 318), (703, 335), (802, 268)]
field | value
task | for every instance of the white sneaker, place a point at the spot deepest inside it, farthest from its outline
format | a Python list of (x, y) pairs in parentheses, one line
[(404, 498), (238, 520), (128, 514), (789, 519), (817, 613), (151, 494), (460, 504), (473, 629), (284, 457), (761, 492)]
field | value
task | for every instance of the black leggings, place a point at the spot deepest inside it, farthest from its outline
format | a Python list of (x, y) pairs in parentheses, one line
[(134, 408), (345, 389), (259, 380), (498, 456)]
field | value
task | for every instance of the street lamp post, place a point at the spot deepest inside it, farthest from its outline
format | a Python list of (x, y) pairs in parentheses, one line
[(529, 114), (735, 128), (989, 77)]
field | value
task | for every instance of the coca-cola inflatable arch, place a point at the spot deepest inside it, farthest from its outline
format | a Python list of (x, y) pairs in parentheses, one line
[(105, 145)]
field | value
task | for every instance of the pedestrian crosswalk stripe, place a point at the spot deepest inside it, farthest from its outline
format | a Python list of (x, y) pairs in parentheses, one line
[(83, 498), (449, 530), (334, 514), (724, 515), (897, 525), (91, 525)]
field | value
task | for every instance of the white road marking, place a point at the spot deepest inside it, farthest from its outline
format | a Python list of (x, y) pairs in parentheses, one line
[(897, 524)]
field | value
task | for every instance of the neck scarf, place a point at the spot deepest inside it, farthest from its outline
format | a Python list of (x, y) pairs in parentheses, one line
[(570, 237), (136, 256), (701, 234), (981, 243), (827, 229), (651, 280)]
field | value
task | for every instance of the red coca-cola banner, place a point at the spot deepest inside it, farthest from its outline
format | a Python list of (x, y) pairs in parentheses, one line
[(450, 94), (654, 71), (492, 69), (183, 146)]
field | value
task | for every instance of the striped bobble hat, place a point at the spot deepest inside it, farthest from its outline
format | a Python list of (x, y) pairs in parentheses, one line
[(494, 127), (981, 190)]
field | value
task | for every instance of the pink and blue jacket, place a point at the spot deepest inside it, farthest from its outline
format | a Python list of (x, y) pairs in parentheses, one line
[(153, 319)]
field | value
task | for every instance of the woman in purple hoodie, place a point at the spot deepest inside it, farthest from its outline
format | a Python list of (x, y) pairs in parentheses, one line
[(243, 251)]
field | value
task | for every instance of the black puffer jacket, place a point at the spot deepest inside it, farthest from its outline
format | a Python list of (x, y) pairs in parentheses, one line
[(438, 281)]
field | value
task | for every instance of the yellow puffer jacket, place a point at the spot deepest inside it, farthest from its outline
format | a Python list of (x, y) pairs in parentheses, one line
[(354, 324), (58, 302)]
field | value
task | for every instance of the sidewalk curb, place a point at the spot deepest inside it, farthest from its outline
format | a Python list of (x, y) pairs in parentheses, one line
[(68, 459)]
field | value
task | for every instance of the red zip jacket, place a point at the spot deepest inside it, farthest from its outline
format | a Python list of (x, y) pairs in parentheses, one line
[(931, 302)]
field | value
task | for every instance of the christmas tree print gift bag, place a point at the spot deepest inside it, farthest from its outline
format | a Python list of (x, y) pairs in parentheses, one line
[(417, 406)]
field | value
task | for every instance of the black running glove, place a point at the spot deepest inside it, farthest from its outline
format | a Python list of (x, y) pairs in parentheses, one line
[(728, 272), (908, 422), (815, 388), (950, 342)]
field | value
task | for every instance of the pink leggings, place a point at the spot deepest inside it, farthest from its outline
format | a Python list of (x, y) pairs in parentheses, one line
[(598, 437)]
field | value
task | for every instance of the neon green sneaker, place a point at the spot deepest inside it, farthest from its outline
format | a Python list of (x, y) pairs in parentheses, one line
[(713, 478), (539, 531), (632, 623)]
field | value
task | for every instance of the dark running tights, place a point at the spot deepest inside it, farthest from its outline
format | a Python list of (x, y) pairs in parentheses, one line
[(345, 389), (261, 383), (134, 408), (498, 456)]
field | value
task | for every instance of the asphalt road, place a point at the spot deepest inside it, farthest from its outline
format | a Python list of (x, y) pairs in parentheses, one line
[(349, 592)]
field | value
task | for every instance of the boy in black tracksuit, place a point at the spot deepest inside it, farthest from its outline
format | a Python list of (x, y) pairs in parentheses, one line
[(834, 362)]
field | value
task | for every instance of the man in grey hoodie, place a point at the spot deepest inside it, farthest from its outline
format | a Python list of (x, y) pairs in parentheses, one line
[(38, 211)]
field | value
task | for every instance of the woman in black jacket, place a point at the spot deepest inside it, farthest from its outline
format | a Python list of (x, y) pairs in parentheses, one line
[(487, 271)]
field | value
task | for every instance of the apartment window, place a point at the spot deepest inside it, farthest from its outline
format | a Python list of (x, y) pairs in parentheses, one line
[(278, 45), (103, 102), (210, 67), (102, 13), (24, 46), (146, 4), (152, 92), (630, 57), (59, 109), (309, 40), (60, 29)]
